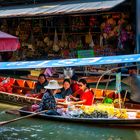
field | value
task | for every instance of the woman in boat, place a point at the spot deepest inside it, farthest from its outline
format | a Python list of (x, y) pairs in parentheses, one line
[(86, 95), (65, 91), (39, 87), (48, 101), (74, 85)]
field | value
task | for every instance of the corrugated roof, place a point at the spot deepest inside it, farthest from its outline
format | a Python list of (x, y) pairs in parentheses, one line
[(57, 8)]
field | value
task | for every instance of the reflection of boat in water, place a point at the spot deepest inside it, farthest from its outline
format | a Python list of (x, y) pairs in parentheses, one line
[(127, 122)]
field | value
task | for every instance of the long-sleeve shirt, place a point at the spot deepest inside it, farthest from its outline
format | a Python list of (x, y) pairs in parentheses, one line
[(48, 102), (39, 86), (66, 92)]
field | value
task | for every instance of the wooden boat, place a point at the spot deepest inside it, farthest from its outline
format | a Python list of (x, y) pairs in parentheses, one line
[(95, 121), (17, 99), (14, 90), (20, 87)]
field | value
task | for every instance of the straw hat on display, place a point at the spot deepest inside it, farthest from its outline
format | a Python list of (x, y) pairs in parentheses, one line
[(53, 84)]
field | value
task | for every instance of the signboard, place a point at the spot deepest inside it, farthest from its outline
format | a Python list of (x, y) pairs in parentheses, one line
[(85, 53), (118, 82)]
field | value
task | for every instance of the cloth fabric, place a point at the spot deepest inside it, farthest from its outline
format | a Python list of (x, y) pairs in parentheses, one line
[(88, 96), (39, 86), (64, 93), (48, 102), (74, 87), (48, 72), (52, 112)]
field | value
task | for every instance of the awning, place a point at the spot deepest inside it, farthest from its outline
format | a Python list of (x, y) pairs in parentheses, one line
[(59, 8), (8, 42), (70, 62)]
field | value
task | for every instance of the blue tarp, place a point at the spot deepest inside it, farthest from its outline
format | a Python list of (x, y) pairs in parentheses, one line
[(71, 62)]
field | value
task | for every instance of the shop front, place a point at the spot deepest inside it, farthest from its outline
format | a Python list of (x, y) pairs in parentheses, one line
[(71, 29)]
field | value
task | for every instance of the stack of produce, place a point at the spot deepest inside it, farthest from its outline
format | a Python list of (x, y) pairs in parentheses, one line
[(103, 111)]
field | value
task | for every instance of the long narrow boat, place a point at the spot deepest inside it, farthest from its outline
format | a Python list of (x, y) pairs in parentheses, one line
[(14, 91), (65, 63), (115, 122), (20, 87)]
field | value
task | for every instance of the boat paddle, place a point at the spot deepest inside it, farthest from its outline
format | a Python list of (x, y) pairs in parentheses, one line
[(23, 117)]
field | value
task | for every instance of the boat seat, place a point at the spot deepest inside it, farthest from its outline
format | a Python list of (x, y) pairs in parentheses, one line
[(12, 80), (98, 93), (20, 82), (30, 84), (109, 93)]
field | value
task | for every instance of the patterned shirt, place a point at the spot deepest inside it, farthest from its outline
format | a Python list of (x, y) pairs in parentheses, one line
[(48, 102)]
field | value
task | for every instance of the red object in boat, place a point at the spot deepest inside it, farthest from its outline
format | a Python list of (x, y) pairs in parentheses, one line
[(8, 42)]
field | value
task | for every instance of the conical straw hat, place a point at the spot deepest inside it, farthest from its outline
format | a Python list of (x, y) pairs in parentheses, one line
[(53, 84)]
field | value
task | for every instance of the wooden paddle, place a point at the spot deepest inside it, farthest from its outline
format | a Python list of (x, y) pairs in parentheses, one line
[(20, 118)]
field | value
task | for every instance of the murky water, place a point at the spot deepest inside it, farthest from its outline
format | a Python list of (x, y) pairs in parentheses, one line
[(36, 129)]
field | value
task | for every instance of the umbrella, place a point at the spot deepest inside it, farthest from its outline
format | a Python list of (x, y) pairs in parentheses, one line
[(8, 42)]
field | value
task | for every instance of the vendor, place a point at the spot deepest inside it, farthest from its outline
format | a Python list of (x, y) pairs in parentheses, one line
[(65, 91), (39, 87), (86, 95), (48, 101), (74, 83)]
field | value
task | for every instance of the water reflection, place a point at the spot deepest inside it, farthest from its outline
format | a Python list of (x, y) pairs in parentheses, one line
[(36, 129)]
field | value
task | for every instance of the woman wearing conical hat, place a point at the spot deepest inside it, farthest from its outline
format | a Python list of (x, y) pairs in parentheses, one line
[(48, 101)]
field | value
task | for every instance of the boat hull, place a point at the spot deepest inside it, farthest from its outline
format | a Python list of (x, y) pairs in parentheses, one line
[(95, 121), (17, 99)]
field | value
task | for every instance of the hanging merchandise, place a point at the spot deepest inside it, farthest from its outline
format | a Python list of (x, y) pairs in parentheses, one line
[(77, 23), (80, 45), (124, 15), (111, 22), (63, 35), (4, 26), (46, 39), (101, 41), (81, 23), (63, 43), (88, 38), (55, 43), (24, 31), (92, 22), (116, 16), (92, 44)]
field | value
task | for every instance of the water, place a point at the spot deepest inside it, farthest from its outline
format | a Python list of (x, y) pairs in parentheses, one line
[(36, 129)]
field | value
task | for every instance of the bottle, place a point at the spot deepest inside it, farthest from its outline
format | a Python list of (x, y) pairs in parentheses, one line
[(68, 103)]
